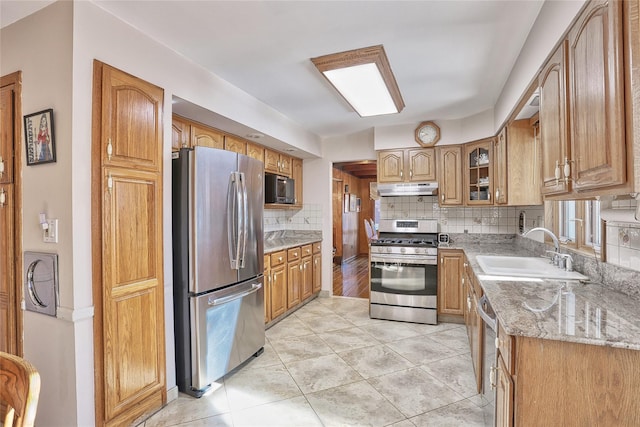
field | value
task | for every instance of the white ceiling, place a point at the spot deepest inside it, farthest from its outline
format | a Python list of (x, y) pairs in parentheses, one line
[(450, 58)]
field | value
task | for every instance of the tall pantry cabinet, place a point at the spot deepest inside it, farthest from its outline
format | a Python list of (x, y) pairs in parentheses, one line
[(127, 247)]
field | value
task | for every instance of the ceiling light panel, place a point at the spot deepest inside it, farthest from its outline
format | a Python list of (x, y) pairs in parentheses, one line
[(364, 79)]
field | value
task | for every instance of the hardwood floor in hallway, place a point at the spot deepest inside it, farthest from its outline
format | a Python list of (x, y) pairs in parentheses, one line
[(351, 278)]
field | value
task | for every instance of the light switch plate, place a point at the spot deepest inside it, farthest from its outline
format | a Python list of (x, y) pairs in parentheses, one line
[(50, 235)]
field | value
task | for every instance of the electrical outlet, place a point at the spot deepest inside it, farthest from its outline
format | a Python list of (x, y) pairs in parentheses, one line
[(50, 235)]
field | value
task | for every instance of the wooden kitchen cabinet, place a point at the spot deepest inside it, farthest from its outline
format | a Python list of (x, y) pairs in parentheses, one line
[(294, 277), (180, 133), (127, 221), (408, 165), (450, 278), (237, 145), (473, 322), (504, 395), (267, 288), (596, 97), (577, 384), (317, 267), (278, 270), (500, 168), (554, 132), (296, 174), (255, 151), (449, 159), (478, 172), (204, 136), (523, 165), (306, 286), (277, 163)]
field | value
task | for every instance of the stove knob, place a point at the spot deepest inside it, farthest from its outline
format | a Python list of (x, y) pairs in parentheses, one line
[(389, 249), (403, 250)]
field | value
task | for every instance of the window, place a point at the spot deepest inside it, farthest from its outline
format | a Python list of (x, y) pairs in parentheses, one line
[(577, 224), (566, 221), (593, 225)]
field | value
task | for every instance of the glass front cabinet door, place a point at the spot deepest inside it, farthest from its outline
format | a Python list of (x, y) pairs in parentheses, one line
[(479, 172)]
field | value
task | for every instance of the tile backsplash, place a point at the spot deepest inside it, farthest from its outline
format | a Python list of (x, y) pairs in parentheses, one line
[(623, 239), (307, 218), (460, 219)]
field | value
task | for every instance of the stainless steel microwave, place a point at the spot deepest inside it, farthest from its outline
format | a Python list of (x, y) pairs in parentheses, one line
[(279, 189)]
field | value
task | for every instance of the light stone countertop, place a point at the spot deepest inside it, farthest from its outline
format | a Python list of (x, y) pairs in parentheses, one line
[(587, 313), (279, 240)]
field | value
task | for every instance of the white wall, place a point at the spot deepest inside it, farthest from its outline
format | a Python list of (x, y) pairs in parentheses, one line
[(40, 46), (451, 132)]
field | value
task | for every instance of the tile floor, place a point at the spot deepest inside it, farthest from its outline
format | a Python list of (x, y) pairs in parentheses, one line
[(328, 364)]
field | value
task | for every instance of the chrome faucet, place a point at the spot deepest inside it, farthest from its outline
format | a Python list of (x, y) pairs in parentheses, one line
[(556, 243)]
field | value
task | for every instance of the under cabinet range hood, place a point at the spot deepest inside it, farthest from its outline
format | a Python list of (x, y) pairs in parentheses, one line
[(408, 189)]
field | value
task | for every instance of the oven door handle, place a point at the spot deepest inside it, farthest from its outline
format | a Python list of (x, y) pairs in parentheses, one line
[(430, 260), (490, 321)]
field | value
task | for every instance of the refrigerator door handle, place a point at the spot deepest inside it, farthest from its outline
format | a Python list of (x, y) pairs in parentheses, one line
[(245, 218), (234, 215), (219, 301)]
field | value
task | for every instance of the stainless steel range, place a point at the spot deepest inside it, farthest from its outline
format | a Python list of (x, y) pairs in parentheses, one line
[(404, 271)]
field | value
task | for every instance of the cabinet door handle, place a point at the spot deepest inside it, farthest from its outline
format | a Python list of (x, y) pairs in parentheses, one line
[(275, 277), (488, 196), (465, 264), (1, 166), (410, 173), (3, 198), (492, 377), (280, 258), (441, 260), (109, 149), (401, 174), (300, 267), (443, 197)]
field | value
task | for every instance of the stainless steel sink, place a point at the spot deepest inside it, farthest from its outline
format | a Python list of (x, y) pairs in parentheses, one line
[(532, 267)]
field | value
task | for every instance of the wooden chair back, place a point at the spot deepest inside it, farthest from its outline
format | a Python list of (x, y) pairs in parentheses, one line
[(19, 390)]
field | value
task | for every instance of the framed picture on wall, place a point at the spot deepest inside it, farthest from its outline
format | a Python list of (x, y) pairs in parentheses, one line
[(39, 137), (358, 204), (353, 202)]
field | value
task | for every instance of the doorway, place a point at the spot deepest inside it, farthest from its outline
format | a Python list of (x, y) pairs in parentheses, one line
[(352, 204), (10, 214)]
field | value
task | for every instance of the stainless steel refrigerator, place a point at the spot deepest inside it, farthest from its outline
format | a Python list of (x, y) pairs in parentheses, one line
[(218, 264)]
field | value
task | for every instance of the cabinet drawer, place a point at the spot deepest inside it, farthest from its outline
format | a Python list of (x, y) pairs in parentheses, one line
[(505, 348), (278, 258), (293, 254), (317, 247), (306, 250)]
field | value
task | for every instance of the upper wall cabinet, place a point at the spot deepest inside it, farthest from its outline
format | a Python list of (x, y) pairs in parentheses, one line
[(554, 136), (180, 133), (206, 137), (523, 164), (234, 144), (596, 97), (278, 163), (478, 170), (408, 165), (500, 167), (449, 174)]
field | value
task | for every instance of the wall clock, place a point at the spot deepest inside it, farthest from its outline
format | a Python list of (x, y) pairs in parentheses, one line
[(427, 134)]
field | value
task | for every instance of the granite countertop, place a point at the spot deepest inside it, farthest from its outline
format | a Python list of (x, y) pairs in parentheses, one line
[(587, 313), (278, 240)]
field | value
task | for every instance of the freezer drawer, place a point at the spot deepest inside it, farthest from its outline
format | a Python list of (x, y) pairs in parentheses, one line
[(227, 329)]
